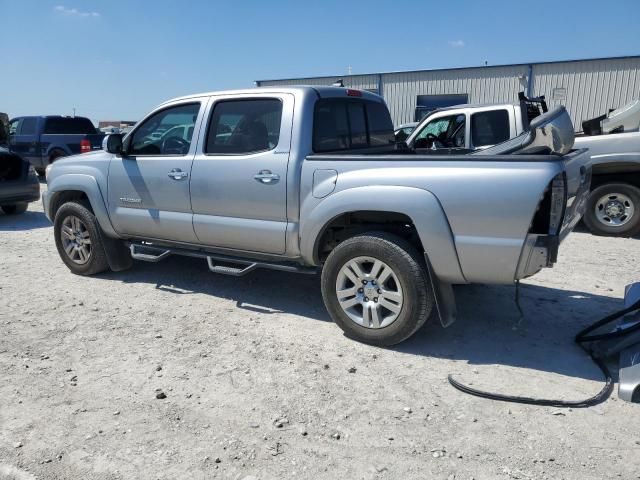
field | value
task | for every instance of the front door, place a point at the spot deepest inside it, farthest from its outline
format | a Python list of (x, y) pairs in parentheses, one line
[(148, 188), (239, 175)]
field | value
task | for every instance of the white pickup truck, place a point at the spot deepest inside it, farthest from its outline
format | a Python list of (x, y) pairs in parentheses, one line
[(613, 141)]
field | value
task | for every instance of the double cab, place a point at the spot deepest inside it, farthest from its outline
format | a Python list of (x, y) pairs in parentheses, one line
[(310, 180)]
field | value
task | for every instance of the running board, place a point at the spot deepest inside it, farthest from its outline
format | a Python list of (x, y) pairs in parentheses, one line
[(153, 253)]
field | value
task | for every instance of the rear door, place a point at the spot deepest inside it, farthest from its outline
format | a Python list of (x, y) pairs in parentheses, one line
[(239, 176), (148, 189)]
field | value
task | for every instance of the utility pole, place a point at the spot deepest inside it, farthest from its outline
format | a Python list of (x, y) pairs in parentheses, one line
[(349, 69), (74, 112)]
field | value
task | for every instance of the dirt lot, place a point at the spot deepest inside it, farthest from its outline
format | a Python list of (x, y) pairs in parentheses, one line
[(259, 383)]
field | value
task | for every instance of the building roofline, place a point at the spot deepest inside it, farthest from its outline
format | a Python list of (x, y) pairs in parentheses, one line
[(525, 64)]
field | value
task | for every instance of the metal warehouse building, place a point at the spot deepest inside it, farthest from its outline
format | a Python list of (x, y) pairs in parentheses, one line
[(588, 88)]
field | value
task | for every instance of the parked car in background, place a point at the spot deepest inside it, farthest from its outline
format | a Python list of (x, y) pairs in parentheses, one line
[(19, 184), (304, 179), (613, 141), (42, 140), (4, 128), (403, 131)]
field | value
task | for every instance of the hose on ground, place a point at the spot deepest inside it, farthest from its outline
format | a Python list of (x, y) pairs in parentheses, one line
[(584, 340)]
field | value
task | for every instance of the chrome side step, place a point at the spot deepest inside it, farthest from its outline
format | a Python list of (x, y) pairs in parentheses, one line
[(152, 253), (234, 272)]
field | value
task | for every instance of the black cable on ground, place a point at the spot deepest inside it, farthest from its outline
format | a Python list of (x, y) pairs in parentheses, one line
[(581, 339)]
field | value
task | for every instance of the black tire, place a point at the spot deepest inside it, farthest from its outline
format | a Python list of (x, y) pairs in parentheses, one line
[(598, 227), (15, 208), (56, 154), (97, 259), (408, 266)]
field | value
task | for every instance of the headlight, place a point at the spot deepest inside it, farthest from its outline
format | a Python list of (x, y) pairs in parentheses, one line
[(46, 171)]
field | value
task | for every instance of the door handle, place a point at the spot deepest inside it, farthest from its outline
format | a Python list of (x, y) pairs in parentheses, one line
[(177, 174), (265, 176)]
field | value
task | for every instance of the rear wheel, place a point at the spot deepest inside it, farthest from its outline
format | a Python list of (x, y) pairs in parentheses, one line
[(376, 288), (614, 210), (78, 239), (15, 208)]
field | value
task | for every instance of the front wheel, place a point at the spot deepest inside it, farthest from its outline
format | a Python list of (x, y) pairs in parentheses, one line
[(376, 288), (78, 240), (613, 210)]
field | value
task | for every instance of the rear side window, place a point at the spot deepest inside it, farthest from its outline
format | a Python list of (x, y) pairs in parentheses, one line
[(68, 126), (489, 128), (244, 126), (350, 124), (28, 126)]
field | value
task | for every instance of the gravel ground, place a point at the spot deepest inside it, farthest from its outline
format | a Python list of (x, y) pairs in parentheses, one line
[(257, 383)]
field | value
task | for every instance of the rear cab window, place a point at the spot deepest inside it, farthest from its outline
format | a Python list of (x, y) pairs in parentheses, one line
[(68, 126), (346, 124)]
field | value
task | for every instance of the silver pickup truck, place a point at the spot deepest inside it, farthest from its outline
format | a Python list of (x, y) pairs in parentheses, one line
[(310, 179)]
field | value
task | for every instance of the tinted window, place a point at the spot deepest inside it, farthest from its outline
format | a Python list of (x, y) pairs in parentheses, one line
[(68, 125), (244, 126), (167, 132), (345, 124), (380, 125), (489, 128), (28, 126), (358, 125)]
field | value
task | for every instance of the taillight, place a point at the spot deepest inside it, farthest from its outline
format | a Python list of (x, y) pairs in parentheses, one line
[(550, 211), (558, 202), (85, 146), (353, 93)]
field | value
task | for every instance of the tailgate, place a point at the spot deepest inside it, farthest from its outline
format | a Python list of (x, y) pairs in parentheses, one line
[(577, 171)]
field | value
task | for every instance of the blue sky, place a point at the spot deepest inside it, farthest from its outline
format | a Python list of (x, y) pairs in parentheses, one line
[(117, 59)]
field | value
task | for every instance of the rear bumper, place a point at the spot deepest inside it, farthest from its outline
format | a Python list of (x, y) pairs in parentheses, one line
[(19, 192), (539, 251)]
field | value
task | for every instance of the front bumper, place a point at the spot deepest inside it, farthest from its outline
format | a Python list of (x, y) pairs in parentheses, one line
[(46, 198)]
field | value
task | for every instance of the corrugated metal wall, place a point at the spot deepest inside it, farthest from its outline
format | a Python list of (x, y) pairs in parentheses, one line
[(486, 85), (587, 88)]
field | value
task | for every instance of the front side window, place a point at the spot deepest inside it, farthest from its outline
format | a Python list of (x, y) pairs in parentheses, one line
[(240, 127), (443, 132), (167, 132), (489, 128), (14, 126)]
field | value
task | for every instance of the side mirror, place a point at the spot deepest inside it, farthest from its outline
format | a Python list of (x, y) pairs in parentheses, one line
[(113, 143)]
